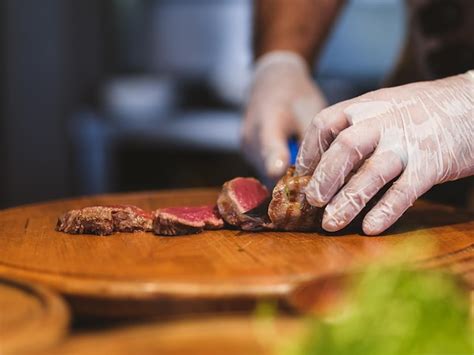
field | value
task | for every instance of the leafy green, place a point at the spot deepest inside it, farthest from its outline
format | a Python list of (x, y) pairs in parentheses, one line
[(393, 312)]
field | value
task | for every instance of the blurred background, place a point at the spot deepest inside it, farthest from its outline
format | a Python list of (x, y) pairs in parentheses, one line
[(104, 96)]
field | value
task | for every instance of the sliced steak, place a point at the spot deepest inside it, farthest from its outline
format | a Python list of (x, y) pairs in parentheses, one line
[(186, 220), (105, 220), (288, 209), (241, 195)]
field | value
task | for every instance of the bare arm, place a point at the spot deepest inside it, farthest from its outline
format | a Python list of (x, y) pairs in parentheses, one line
[(300, 26)]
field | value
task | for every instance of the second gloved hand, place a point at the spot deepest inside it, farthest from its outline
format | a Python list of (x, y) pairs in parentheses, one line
[(283, 100)]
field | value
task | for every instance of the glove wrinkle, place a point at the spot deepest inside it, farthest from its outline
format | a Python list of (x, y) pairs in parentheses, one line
[(423, 133)]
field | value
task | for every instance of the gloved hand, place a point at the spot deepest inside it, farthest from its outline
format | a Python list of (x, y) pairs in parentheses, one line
[(423, 132), (283, 100)]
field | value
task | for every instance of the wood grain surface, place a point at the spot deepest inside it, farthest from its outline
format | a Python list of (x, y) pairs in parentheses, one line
[(31, 317), (215, 265), (231, 335)]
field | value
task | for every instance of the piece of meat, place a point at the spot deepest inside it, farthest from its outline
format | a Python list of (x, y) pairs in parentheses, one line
[(241, 195), (243, 202), (105, 220), (288, 209), (186, 220)]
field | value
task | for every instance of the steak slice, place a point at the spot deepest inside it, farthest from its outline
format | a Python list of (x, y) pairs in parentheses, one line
[(241, 195), (288, 209), (105, 220), (186, 220)]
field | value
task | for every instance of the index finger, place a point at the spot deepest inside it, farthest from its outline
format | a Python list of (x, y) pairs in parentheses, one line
[(319, 135)]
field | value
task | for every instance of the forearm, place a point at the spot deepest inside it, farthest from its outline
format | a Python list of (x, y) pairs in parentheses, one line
[(300, 26)]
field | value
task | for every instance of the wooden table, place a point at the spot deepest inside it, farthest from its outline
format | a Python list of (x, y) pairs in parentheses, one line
[(229, 334)]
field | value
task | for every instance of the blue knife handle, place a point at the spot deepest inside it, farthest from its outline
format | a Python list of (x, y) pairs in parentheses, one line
[(293, 146)]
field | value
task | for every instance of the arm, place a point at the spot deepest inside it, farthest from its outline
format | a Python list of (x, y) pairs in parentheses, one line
[(300, 26)]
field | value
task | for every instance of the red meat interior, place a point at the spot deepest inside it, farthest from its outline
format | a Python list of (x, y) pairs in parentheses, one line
[(138, 211), (249, 193), (192, 214)]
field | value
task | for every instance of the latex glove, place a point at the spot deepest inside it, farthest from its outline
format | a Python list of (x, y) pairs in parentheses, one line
[(423, 132), (283, 100)]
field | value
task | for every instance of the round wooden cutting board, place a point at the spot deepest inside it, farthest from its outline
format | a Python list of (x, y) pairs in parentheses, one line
[(215, 265), (31, 318)]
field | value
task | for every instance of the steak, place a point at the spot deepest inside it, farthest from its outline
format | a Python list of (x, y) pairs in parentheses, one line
[(243, 202), (105, 220), (186, 220), (239, 196), (288, 209)]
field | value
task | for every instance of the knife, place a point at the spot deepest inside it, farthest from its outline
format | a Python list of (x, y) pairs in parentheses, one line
[(293, 146)]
